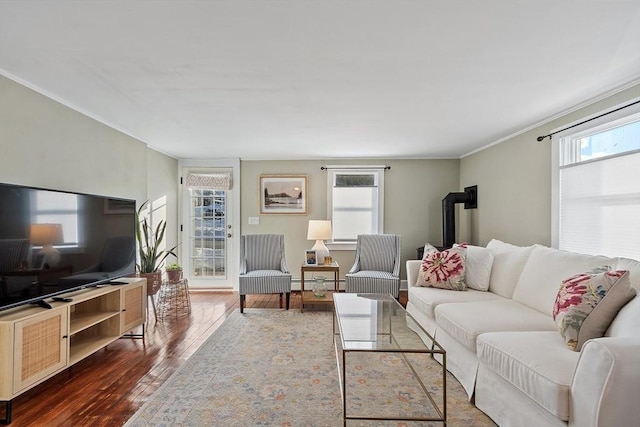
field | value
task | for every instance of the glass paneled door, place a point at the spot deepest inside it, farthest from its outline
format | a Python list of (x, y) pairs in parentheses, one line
[(209, 229), (209, 251)]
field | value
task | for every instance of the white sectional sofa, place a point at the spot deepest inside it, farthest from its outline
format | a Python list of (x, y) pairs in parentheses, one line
[(504, 347)]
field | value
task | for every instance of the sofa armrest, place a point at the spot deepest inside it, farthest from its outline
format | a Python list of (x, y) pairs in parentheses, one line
[(413, 267), (605, 390)]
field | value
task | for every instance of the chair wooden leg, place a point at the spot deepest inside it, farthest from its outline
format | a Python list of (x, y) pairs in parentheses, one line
[(280, 299), (288, 295), (242, 297)]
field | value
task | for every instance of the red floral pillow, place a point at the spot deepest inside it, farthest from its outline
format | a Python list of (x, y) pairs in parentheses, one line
[(587, 303), (444, 270)]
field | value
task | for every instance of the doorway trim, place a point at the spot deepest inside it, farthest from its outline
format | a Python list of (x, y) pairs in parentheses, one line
[(203, 164)]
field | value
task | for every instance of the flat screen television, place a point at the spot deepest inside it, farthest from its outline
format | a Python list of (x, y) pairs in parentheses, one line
[(52, 242)]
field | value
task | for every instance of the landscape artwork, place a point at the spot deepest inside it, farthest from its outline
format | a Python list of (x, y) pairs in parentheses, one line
[(283, 194)]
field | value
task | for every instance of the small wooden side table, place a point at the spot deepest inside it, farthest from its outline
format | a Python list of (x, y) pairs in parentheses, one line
[(307, 296)]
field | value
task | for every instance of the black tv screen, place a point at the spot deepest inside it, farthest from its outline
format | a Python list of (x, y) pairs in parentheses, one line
[(52, 242)]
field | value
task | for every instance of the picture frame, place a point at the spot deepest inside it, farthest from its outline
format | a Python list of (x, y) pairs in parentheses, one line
[(283, 194), (310, 257)]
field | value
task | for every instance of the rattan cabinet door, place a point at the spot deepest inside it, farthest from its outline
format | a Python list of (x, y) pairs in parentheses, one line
[(40, 347), (133, 299)]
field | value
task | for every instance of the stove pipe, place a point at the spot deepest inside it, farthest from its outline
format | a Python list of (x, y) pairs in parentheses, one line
[(470, 199)]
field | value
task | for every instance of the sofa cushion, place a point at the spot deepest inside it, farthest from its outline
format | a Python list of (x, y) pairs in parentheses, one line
[(545, 270), (479, 261), (537, 363), (427, 299), (627, 321), (465, 321), (443, 269), (508, 262), (587, 303)]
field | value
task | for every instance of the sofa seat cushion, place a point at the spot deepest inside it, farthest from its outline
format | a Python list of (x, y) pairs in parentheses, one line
[(537, 363), (465, 321), (427, 299)]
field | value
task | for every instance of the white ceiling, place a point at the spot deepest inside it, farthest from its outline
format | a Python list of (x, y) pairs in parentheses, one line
[(296, 79)]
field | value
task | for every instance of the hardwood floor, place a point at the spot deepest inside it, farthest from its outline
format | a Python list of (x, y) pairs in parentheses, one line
[(109, 386)]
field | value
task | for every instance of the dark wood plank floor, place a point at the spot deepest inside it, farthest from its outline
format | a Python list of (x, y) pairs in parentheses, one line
[(108, 387)]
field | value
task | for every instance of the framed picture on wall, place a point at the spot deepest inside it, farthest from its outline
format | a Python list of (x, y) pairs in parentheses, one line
[(283, 194), (310, 257)]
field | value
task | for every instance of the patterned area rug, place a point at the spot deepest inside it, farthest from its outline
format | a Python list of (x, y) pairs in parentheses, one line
[(270, 367)]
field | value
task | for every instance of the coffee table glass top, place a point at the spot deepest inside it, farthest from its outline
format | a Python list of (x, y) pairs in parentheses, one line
[(377, 322)]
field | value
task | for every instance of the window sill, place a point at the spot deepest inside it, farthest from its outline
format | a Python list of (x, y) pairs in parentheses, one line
[(341, 246)]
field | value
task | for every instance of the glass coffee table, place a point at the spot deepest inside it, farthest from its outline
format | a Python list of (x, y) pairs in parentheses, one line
[(387, 362)]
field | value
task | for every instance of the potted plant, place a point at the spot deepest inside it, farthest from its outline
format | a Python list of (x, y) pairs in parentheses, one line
[(174, 272), (150, 254)]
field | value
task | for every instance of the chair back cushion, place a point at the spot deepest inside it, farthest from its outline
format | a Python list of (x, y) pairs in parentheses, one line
[(378, 252), (263, 251), (12, 253)]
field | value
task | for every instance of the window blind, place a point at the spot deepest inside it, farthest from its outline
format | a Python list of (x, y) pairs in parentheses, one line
[(209, 181), (600, 206)]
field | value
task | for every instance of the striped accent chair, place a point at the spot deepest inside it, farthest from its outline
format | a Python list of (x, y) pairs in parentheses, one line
[(263, 268), (376, 268)]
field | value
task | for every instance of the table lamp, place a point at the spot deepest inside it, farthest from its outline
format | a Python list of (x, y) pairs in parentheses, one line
[(319, 230), (47, 235)]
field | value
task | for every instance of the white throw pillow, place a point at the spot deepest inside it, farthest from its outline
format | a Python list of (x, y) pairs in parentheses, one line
[(478, 268), (508, 262)]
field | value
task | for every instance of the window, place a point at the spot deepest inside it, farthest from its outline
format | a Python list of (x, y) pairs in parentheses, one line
[(355, 204), (597, 187)]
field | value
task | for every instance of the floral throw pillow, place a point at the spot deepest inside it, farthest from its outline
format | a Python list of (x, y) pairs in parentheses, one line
[(587, 303), (444, 270)]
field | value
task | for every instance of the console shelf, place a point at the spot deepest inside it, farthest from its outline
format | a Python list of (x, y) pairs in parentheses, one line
[(37, 343), (85, 346), (82, 321)]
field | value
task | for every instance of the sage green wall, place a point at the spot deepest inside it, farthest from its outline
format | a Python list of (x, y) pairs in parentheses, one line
[(46, 144), (514, 183), (162, 191), (413, 194)]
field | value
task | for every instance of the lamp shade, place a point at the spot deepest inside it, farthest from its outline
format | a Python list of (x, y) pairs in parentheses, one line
[(319, 230), (46, 234)]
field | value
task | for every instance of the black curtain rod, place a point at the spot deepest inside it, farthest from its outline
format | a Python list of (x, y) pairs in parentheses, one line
[(323, 168), (541, 138)]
